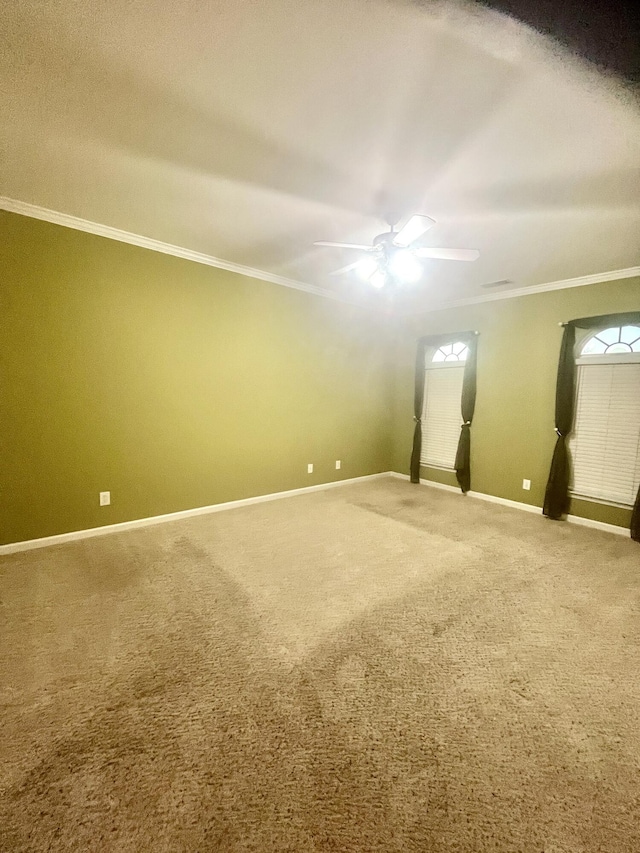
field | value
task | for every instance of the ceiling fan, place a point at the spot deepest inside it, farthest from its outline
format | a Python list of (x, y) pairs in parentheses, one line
[(393, 258)]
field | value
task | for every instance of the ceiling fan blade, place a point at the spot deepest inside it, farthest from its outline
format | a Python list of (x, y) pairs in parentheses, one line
[(414, 228), (342, 245), (348, 268), (448, 254)]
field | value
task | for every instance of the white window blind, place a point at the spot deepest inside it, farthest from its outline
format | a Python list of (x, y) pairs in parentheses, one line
[(605, 443), (441, 417)]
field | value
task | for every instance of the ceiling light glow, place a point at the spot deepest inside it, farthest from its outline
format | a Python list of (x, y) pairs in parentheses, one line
[(404, 266), (366, 267), (378, 279)]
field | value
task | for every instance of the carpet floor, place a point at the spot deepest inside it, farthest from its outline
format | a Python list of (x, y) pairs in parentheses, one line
[(379, 667)]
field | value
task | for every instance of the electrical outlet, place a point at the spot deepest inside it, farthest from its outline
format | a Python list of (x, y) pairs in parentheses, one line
[(310, 468), (338, 464), (105, 498), (526, 484)]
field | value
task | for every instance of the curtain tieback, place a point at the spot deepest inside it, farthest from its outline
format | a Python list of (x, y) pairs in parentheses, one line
[(417, 420)]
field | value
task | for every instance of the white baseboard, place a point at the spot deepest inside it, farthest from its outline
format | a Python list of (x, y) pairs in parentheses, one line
[(59, 538), (572, 519), (432, 483), (599, 525)]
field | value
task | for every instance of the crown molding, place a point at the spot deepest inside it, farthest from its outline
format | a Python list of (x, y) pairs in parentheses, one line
[(34, 211), (581, 281), (56, 217)]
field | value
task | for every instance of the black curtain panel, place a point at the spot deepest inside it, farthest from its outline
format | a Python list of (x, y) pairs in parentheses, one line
[(556, 499), (418, 400), (468, 403), (635, 519)]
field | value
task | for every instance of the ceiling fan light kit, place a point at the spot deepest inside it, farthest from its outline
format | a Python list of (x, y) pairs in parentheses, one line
[(404, 266), (378, 279), (393, 259), (366, 267)]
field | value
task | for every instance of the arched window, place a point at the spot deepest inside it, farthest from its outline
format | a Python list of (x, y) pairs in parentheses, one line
[(451, 352), (441, 416), (605, 442), (617, 340)]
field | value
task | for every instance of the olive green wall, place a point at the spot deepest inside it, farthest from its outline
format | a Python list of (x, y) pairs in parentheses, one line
[(513, 428), (172, 385), (175, 385)]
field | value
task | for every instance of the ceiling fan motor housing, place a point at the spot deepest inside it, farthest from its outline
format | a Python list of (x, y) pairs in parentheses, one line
[(385, 240)]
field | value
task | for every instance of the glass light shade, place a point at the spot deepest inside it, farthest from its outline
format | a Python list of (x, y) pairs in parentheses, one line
[(366, 267), (378, 279), (405, 266)]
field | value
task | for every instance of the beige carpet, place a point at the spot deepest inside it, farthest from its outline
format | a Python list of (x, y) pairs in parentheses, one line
[(380, 667)]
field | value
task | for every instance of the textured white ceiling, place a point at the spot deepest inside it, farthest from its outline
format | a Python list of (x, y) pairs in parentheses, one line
[(247, 130)]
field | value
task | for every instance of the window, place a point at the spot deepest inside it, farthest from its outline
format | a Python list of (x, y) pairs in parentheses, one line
[(605, 442), (441, 418), (450, 352)]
